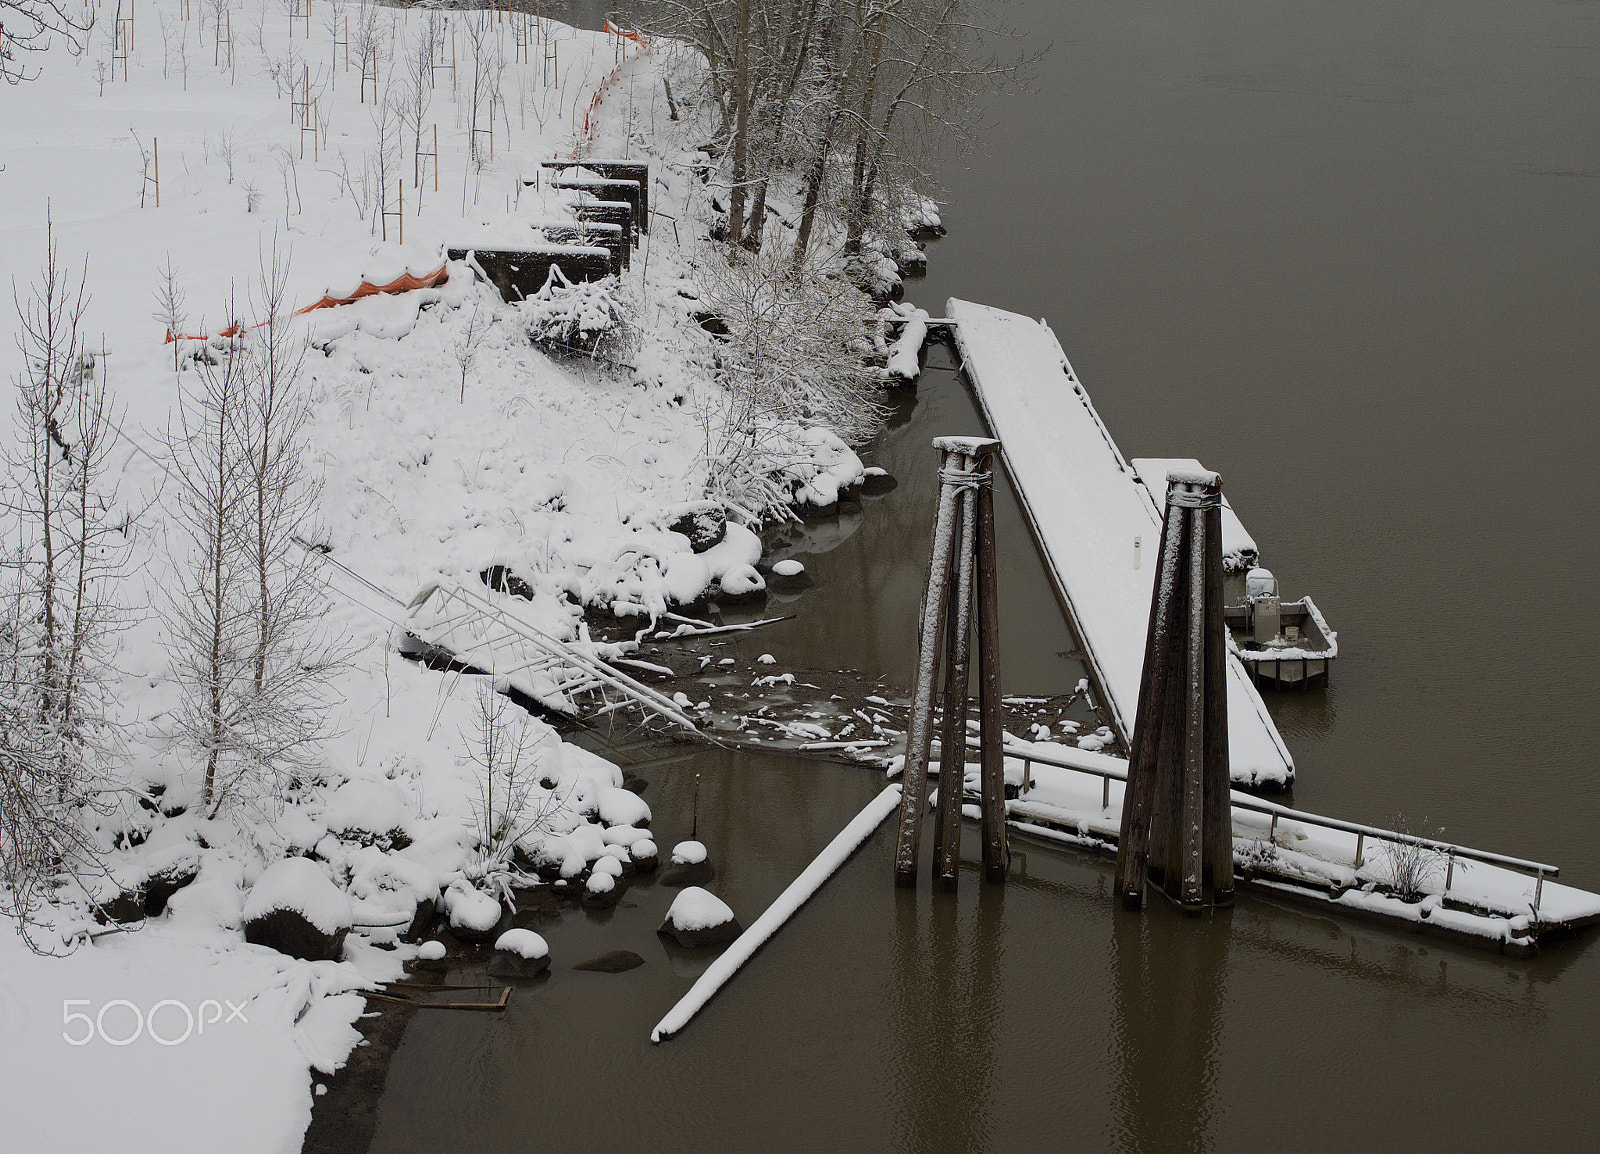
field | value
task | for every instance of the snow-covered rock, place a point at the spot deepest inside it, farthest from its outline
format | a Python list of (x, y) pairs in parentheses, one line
[(625, 835), (602, 890), (519, 953), (700, 918), (687, 577), (741, 585), (644, 855), (689, 866), (688, 853), (473, 913), (623, 807), (365, 806), (295, 909)]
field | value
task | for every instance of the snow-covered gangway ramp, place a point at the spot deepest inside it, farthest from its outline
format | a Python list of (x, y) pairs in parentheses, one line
[(1095, 524)]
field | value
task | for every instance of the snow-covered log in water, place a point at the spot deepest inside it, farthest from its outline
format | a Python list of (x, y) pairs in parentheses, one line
[(810, 880)]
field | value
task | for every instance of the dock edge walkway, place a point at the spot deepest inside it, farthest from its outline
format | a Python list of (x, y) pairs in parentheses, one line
[(1086, 506)]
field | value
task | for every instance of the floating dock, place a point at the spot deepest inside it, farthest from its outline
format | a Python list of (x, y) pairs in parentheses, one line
[(1095, 524), (1474, 897)]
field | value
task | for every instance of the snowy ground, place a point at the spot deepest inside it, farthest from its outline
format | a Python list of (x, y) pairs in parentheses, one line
[(566, 471)]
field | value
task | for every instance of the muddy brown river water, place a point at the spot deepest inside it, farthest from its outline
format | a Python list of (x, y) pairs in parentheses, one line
[(1347, 255)]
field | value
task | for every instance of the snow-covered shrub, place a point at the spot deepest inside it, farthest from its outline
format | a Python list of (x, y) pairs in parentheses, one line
[(511, 803), (794, 364), (1411, 866), (571, 315)]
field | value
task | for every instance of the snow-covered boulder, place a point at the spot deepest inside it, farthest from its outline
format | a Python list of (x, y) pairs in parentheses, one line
[(789, 576), (295, 909), (602, 890), (687, 576), (741, 585), (875, 482), (689, 866), (623, 807), (700, 918), (702, 522), (624, 835), (369, 811), (739, 546), (519, 953), (474, 915), (644, 855), (430, 959)]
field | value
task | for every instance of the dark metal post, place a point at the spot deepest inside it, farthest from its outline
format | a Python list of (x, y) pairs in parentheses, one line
[(963, 548), (1218, 803), (1139, 795), (953, 734), (996, 855), (1176, 818), (919, 734)]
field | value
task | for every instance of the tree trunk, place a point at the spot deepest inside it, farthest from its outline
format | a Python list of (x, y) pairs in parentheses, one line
[(741, 128)]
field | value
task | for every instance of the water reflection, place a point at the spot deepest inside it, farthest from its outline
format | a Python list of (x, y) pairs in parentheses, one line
[(1170, 983), (946, 1008)]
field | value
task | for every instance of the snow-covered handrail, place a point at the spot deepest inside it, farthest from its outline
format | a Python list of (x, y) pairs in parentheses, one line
[(1027, 753)]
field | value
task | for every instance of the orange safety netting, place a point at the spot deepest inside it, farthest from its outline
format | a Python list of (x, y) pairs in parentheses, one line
[(615, 31), (402, 283), (589, 122)]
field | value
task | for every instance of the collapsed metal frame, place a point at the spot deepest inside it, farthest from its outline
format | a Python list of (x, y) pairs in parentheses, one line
[(515, 649)]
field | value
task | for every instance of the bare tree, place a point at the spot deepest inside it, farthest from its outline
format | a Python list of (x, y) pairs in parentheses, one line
[(488, 74), (851, 93), (207, 612), (170, 311), (283, 493), (469, 339), (414, 95), (336, 20), (219, 18), (246, 647), (26, 27), (384, 159), (58, 617)]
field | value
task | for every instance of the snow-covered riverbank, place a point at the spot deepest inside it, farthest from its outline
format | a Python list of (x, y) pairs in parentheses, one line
[(448, 446)]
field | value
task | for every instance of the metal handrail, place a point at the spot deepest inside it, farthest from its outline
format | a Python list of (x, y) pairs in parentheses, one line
[(1540, 870)]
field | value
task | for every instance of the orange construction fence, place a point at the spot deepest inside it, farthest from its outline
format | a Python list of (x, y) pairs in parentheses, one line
[(402, 283)]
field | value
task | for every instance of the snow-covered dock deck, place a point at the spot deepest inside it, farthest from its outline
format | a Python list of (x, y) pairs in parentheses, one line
[(1095, 524), (1479, 898)]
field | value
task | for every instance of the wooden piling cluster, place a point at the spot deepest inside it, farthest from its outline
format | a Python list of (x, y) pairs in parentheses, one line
[(1176, 823), (961, 590)]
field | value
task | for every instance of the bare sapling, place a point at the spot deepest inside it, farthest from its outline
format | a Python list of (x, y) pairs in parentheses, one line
[(414, 95), (470, 339), (384, 159), (59, 616), (511, 802), (170, 312)]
